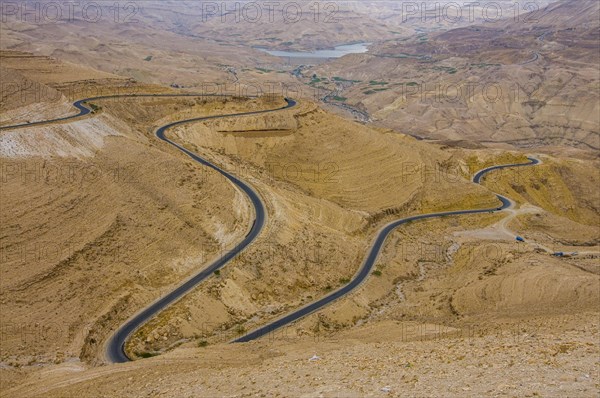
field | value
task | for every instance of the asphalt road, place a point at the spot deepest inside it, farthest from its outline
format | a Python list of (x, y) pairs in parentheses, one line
[(79, 105), (84, 110), (115, 348), (371, 258), (115, 351)]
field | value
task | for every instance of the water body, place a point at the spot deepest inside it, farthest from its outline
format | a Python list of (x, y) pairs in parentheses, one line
[(337, 52)]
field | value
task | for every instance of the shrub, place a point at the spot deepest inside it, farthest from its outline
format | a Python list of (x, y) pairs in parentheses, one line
[(147, 354)]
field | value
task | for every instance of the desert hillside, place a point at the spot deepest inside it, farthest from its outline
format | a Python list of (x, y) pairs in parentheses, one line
[(327, 210), (525, 87)]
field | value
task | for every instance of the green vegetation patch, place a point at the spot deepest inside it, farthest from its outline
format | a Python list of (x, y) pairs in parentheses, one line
[(316, 79), (484, 65), (264, 70), (341, 79), (447, 69)]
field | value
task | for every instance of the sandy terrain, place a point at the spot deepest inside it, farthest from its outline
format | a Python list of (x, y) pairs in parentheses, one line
[(542, 357), (99, 218)]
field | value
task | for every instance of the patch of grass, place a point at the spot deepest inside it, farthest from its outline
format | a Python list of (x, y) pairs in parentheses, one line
[(341, 79), (148, 58), (447, 69), (264, 70), (376, 83), (412, 84), (316, 79), (344, 281), (405, 55), (376, 272), (202, 343), (338, 98), (217, 272)]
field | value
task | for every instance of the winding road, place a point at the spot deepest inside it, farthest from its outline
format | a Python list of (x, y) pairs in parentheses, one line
[(115, 347), (84, 110), (371, 258)]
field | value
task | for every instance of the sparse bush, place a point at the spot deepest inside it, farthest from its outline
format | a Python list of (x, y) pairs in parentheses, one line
[(146, 354), (95, 108)]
